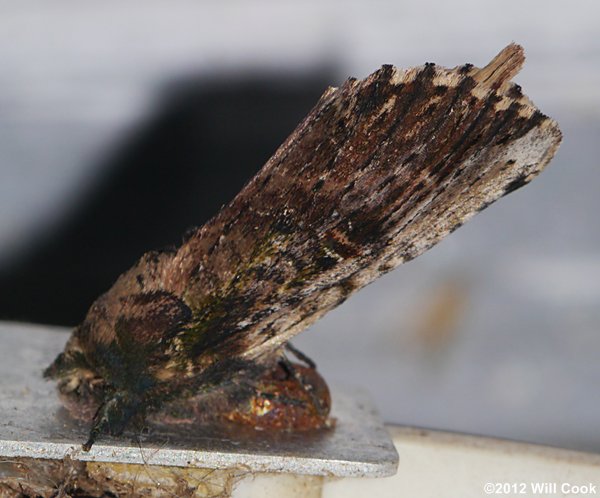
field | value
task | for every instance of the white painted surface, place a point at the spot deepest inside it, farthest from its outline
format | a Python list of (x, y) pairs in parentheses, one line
[(436, 464)]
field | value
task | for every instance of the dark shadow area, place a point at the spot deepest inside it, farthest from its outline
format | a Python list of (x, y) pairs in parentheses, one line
[(207, 138)]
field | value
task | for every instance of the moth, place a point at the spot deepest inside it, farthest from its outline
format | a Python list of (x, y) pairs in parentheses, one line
[(379, 171)]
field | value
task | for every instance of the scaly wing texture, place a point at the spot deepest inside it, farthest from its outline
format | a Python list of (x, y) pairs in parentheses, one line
[(378, 172)]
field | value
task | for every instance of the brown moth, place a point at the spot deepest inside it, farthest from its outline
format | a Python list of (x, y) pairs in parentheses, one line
[(379, 171)]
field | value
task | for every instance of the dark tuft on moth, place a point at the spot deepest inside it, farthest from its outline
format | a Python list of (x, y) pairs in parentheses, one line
[(515, 184), (515, 91), (379, 171), (465, 68)]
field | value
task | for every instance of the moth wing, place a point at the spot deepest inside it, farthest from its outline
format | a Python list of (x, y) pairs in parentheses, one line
[(378, 172)]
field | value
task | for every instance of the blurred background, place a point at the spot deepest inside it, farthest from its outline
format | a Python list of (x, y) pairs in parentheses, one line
[(122, 126)]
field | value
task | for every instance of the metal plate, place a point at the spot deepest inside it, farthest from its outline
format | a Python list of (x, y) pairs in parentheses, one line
[(33, 424)]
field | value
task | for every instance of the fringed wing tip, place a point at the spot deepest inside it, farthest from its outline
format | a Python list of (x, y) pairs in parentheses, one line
[(502, 68)]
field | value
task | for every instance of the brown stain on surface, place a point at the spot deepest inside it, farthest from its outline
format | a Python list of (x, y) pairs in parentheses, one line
[(441, 314)]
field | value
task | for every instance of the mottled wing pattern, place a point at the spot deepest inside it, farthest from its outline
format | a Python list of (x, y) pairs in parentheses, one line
[(378, 172)]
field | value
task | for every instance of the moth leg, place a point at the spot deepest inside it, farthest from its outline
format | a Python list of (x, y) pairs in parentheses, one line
[(112, 417), (300, 355), (292, 371)]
